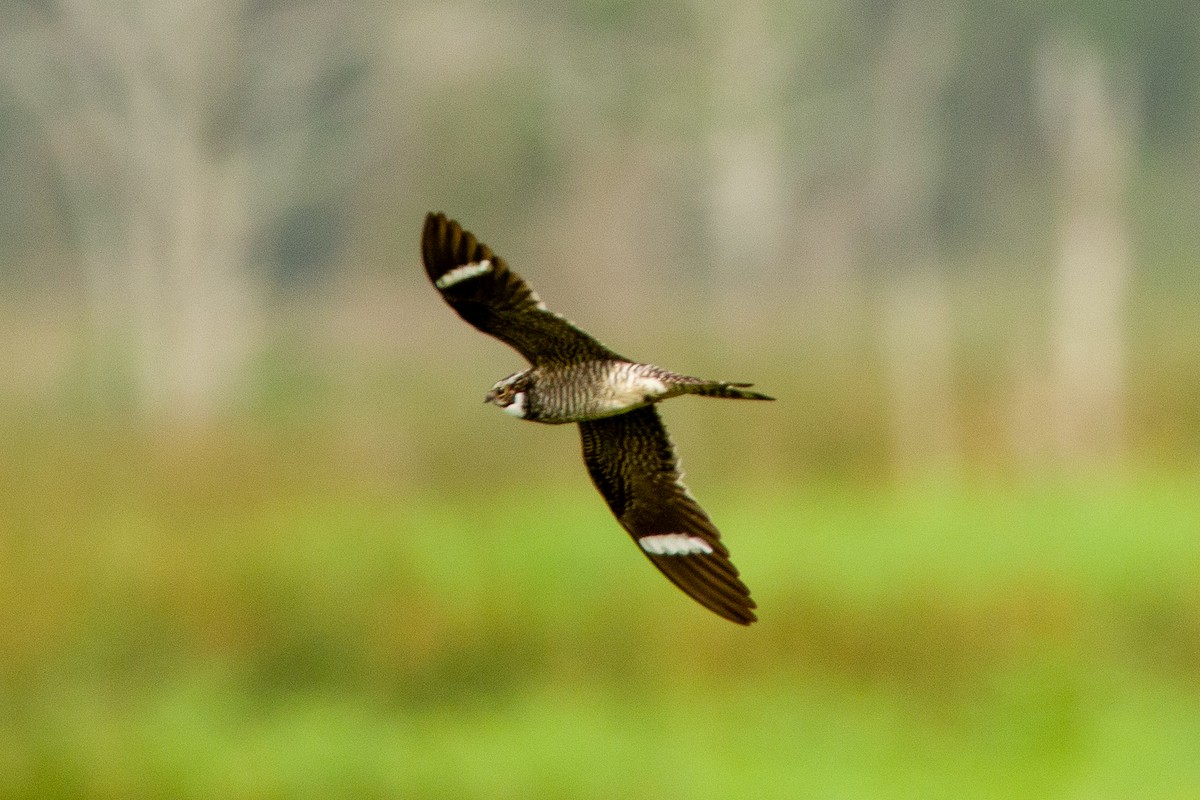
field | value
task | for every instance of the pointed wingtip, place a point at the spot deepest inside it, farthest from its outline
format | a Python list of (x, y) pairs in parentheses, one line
[(742, 616), (712, 581)]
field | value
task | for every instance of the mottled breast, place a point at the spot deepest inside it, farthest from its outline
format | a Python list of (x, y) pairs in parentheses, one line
[(596, 389)]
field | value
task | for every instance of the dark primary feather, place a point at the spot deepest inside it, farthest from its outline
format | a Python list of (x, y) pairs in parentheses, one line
[(499, 302), (632, 463)]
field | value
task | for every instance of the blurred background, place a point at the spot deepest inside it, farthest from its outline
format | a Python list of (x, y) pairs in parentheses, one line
[(259, 537)]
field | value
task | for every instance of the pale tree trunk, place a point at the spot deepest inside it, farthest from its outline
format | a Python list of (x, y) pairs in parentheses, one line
[(124, 93), (902, 248), (1089, 131), (177, 128), (918, 362), (747, 200)]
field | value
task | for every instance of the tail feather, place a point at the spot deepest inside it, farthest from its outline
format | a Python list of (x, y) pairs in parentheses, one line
[(730, 391)]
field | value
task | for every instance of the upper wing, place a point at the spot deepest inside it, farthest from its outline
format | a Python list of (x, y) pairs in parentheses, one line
[(632, 463), (486, 293)]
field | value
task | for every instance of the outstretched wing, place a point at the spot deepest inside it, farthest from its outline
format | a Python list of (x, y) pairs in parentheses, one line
[(486, 293), (632, 463)]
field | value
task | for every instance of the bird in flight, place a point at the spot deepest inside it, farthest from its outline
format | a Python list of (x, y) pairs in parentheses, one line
[(574, 378)]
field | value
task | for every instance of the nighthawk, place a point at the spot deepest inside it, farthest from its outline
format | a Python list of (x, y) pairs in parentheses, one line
[(574, 378)]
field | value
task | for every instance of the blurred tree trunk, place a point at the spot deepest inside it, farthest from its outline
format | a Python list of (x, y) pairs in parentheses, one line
[(158, 212), (901, 238), (1090, 132), (747, 199), (176, 128)]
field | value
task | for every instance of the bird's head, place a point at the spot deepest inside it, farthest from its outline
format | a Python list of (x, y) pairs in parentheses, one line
[(510, 394)]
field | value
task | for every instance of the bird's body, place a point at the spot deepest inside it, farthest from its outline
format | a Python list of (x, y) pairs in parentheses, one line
[(588, 390), (575, 379)]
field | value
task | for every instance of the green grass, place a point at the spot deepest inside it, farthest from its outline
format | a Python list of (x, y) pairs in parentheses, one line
[(216, 623)]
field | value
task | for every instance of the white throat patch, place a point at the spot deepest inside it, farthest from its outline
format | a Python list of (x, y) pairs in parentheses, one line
[(463, 273), (674, 544), (516, 407)]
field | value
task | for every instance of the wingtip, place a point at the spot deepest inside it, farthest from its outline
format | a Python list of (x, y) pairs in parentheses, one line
[(741, 616), (712, 582), (744, 615), (437, 226)]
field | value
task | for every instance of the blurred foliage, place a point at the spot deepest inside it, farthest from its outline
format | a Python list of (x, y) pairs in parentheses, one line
[(250, 615)]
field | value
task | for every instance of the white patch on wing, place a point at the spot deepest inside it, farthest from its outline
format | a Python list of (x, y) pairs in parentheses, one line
[(674, 544), (463, 273), (517, 406)]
